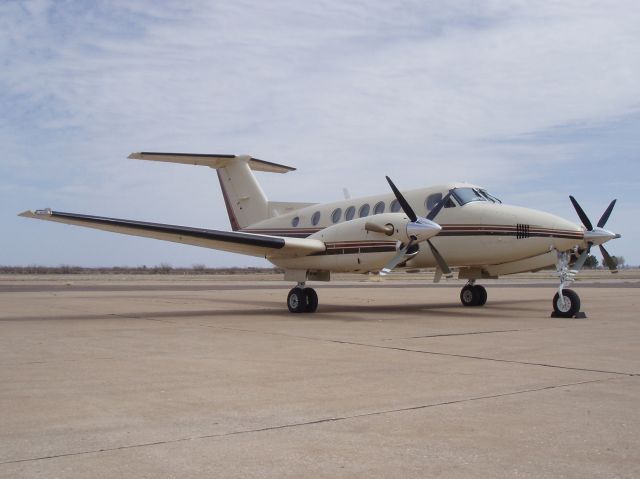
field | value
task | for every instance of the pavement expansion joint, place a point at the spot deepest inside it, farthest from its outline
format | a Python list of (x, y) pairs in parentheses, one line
[(483, 358), (419, 351), (395, 348), (468, 333), (312, 422)]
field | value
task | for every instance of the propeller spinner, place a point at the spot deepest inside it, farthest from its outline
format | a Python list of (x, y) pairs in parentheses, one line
[(596, 236)]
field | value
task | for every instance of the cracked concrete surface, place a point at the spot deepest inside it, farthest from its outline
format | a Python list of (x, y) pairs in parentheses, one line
[(104, 380)]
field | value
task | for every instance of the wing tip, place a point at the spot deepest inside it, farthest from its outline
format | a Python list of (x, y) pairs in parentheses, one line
[(36, 213)]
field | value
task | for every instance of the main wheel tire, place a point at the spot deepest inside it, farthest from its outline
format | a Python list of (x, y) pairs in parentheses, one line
[(469, 296), (296, 301), (311, 300), (568, 305), (482, 295)]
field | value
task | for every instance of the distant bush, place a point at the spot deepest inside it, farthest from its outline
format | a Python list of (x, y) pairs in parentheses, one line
[(162, 268)]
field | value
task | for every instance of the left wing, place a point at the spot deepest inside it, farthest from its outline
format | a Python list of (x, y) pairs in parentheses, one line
[(236, 242)]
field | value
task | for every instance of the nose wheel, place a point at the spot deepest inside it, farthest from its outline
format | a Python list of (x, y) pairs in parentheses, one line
[(567, 305), (302, 300), (473, 295)]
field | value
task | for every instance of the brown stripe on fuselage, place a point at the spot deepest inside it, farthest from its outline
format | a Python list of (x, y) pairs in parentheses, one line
[(447, 230)]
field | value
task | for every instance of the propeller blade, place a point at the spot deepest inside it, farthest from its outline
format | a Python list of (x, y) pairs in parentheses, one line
[(583, 217), (396, 260), (581, 260), (442, 264), (608, 260), (403, 202), (605, 216), (436, 209)]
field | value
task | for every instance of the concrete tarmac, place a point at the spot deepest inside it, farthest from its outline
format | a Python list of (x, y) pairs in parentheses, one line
[(188, 379)]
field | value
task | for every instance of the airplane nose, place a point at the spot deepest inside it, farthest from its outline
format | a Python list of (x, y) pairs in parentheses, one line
[(422, 229)]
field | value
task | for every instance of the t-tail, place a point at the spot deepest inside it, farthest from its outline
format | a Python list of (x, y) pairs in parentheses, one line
[(245, 201)]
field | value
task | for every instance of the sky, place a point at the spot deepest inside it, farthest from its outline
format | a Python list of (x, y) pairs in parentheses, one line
[(533, 100)]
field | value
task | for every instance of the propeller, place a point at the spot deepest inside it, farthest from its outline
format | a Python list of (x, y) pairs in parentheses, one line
[(596, 236), (418, 230)]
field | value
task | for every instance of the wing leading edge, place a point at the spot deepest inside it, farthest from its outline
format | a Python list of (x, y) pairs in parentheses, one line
[(235, 242)]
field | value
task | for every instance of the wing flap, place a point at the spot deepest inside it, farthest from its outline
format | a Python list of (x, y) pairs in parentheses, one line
[(235, 242)]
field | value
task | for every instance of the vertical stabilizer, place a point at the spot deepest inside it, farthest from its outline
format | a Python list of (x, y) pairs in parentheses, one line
[(245, 201)]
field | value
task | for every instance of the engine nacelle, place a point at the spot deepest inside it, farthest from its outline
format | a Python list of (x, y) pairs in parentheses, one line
[(351, 247), (356, 230)]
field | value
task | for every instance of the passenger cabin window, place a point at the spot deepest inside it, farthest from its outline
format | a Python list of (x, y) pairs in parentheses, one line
[(336, 215), (395, 206), (295, 221), (315, 219), (350, 213), (378, 208), (364, 210), (432, 201)]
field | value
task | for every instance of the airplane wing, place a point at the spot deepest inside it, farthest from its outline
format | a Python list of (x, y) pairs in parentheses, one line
[(235, 242)]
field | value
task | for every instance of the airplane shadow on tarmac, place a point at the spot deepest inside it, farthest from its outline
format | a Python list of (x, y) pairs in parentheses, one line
[(325, 311)]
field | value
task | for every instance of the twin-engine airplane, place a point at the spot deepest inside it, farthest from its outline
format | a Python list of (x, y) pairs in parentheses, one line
[(474, 232)]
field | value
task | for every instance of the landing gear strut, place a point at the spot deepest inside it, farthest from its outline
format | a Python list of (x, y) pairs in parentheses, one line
[(302, 299), (566, 302), (473, 294)]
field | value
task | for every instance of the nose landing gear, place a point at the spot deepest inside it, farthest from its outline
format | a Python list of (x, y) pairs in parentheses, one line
[(566, 302), (473, 294), (302, 299)]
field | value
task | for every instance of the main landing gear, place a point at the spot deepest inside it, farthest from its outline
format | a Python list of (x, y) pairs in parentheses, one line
[(473, 294), (302, 299)]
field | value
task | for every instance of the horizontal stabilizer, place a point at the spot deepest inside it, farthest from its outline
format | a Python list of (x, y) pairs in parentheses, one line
[(232, 241), (212, 161)]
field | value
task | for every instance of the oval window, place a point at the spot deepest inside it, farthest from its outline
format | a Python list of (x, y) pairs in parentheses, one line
[(315, 219), (350, 213), (295, 221), (395, 206), (378, 208), (364, 210), (336, 215), (432, 201)]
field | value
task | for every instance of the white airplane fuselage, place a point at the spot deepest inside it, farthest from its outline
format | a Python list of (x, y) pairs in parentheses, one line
[(475, 234)]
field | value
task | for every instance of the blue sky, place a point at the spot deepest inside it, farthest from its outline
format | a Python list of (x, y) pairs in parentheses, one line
[(534, 100)]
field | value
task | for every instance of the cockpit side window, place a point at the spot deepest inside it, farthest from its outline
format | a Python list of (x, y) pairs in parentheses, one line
[(467, 195), (490, 197)]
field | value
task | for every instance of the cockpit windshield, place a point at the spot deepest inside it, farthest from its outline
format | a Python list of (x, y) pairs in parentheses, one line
[(467, 195)]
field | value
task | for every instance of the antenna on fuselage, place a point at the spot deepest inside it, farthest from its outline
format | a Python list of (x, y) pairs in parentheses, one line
[(347, 195)]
